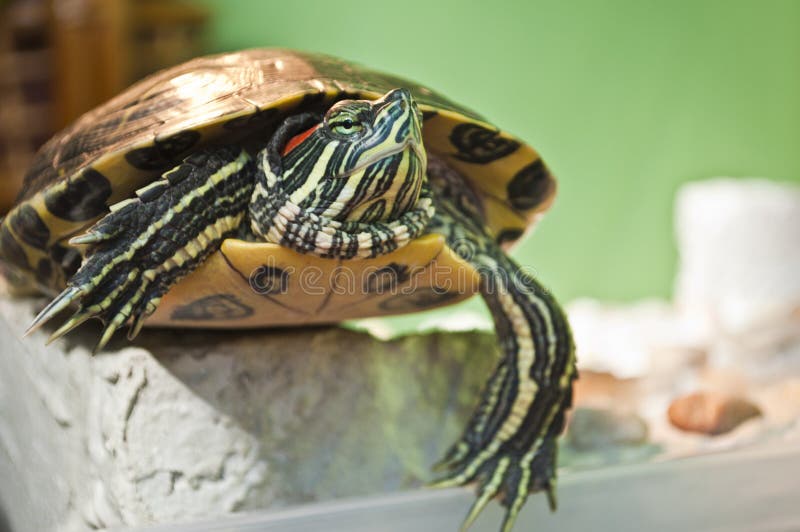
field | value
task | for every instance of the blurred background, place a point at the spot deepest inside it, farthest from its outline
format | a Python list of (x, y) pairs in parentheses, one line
[(626, 100)]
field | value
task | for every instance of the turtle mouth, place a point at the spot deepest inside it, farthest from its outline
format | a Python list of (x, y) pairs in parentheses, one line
[(410, 142)]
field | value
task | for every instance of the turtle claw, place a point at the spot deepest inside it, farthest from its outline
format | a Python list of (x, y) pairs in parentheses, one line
[(509, 476), (108, 332), (138, 319), (64, 299), (77, 319), (90, 237), (552, 498), (486, 493), (113, 300)]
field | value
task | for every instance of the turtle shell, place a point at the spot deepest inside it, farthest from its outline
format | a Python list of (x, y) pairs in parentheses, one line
[(120, 146)]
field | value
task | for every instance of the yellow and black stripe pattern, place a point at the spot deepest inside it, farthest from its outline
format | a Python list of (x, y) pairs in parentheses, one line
[(352, 188), (509, 446), (148, 243)]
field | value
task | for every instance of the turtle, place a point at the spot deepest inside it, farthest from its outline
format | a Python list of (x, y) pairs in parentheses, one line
[(274, 187)]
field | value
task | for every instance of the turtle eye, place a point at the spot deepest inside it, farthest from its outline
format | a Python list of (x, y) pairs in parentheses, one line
[(345, 125)]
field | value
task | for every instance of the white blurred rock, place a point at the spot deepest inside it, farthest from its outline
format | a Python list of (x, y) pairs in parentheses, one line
[(633, 340), (734, 327), (737, 292), (739, 275)]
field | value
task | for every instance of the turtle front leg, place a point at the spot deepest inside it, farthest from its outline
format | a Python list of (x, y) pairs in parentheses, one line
[(508, 448), (147, 243)]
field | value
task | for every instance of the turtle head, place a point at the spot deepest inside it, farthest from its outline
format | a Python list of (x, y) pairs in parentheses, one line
[(364, 162)]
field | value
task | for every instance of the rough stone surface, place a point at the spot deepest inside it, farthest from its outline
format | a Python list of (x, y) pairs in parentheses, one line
[(186, 424)]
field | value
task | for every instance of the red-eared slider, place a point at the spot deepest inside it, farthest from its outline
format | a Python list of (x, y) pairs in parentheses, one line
[(272, 187)]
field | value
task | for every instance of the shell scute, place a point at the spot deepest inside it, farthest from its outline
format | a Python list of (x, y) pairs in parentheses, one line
[(530, 186), (80, 199), (29, 227), (11, 250), (480, 145), (164, 152)]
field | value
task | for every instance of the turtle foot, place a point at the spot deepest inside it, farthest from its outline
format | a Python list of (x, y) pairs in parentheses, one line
[(114, 307), (149, 242), (112, 284), (509, 475)]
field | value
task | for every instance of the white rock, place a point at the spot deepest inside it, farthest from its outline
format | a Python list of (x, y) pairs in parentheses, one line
[(116, 437), (739, 275), (737, 292), (632, 340), (185, 425), (734, 326)]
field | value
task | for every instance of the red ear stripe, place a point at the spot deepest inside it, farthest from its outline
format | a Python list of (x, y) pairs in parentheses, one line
[(297, 139)]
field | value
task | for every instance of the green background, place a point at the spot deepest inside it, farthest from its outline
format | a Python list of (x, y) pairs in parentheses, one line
[(625, 100)]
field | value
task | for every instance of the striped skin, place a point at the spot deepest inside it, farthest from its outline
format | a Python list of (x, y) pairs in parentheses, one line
[(346, 194), (509, 445), (148, 243), (353, 188)]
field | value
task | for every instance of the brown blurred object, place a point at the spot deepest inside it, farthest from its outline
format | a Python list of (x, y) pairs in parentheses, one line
[(25, 81), (60, 58), (710, 413)]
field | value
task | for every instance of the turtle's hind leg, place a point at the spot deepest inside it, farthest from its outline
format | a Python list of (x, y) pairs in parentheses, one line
[(147, 243), (508, 448)]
